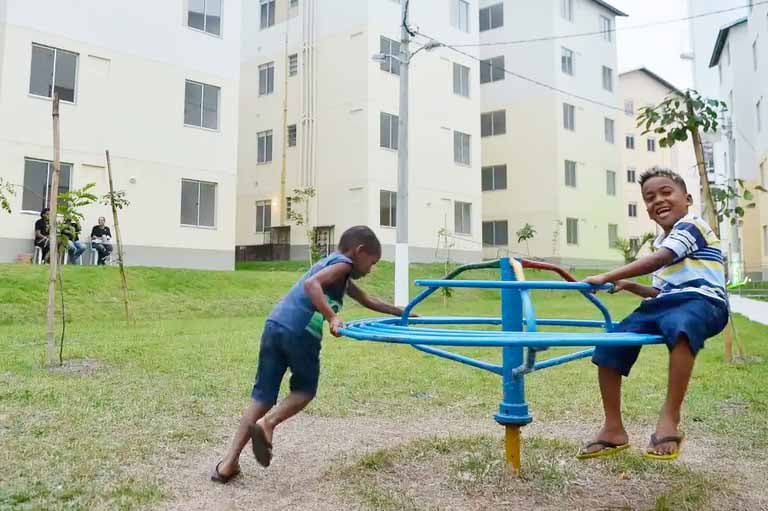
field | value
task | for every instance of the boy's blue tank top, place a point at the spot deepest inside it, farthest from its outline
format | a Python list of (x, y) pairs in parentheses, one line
[(296, 312)]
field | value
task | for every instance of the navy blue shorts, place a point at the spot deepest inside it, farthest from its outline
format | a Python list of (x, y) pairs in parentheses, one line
[(671, 315), (282, 349)]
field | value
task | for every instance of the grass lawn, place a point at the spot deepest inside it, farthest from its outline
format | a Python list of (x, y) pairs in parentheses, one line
[(165, 386)]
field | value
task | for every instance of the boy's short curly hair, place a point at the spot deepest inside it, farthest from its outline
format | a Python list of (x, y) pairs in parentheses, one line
[(662, 172), (360, 235)]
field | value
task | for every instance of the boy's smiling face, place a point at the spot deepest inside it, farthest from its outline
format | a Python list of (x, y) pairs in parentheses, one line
[(665, 201)]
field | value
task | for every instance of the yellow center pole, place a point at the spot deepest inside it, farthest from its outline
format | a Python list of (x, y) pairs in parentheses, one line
[(512, 447)]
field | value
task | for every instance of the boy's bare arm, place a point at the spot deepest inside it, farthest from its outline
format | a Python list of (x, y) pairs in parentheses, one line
[(314, 287), (636, 289), (643, 266), (370, 302)]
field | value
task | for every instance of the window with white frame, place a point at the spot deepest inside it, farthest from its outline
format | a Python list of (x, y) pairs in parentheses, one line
[(462, 15), (291, 135), (570, 173), (53, 71), (494, 177), (492, 70), (566, 61), (609, 130), (390, 49), (630, 141), (610, 182), (463, 217), (606, 28), (201, 105), (264, 146), (388, 130), (632, 209), (572, 231), (629, 107), (37, 183), (566, 9), (460, 80), (267, 14), (387, 208), (754, 55), (293, 64), (198, 203), (491, 17), (496, 233), (266, 78), (608, 78), (631, 175), (613, 235), (759, 115), (461, 148), (651, 145), (569, 117), (493, 123), (263, 215), (205, 15)]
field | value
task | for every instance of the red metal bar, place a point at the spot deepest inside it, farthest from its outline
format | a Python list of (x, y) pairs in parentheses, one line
[(538, 265)]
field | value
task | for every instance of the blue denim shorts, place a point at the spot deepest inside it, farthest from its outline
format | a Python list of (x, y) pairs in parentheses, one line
[(672, 315), (283, 349)]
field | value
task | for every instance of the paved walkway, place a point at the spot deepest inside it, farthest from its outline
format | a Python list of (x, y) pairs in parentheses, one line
[(755, 310)]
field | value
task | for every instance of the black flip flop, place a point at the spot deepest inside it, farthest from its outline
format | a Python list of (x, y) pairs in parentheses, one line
[(607, 449), (218, 477), (262, 449)]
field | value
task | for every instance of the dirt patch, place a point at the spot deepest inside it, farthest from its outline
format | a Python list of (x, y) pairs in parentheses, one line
[(312, 455), (80, 367)]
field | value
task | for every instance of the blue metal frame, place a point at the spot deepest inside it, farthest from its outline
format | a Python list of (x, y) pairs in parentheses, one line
[(519, 338)]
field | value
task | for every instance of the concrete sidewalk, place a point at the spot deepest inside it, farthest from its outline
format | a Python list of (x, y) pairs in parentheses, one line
[(755, 310)]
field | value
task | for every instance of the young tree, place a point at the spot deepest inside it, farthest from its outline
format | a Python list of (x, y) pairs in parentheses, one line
[(304, 196), (630, 251), (116, 200), (525, 233), (6, 192)]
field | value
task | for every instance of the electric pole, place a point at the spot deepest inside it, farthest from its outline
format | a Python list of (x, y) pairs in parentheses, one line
[(402, 280), (735, 266)]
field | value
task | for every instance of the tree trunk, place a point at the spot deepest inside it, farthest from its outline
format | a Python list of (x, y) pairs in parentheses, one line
[(53, 253), (118, 238)]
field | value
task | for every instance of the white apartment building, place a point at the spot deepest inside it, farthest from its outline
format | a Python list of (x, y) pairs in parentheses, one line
[(157, 84), (556, 164), (643, 88), (740, 56), (317, 112)]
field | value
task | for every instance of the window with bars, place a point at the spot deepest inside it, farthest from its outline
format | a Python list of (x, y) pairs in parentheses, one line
[(463, 217), (387, 208), (293, 64), (492, 70), (461, 148), (496, 233), (266, 78), (494, 177), (201, 105), (493, 123), (37, 183), (263, 215), (205, 15), (291, 135), (264, 146), (53, 71), (388, 130), (198, 203)]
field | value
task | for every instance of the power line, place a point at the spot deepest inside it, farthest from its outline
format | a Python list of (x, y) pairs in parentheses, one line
[(525, 78), (612, 30)]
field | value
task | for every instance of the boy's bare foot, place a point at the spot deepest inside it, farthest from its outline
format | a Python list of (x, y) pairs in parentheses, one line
[(608, 435), (261, 442), (666, 428), (223, 474)]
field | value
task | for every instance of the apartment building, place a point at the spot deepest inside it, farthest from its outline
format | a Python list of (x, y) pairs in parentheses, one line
[(318, 113), (555, 163), (157, 84), (740, 56), (643, 88)]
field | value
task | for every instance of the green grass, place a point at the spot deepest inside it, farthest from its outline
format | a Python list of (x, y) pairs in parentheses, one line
[(170, 382)]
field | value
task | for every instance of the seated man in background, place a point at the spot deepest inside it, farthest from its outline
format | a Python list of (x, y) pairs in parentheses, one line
[(100, 239), (42, 231), (71, 229)]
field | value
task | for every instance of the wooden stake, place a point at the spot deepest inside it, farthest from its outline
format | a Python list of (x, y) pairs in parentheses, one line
[(53, 256), (118, 238)]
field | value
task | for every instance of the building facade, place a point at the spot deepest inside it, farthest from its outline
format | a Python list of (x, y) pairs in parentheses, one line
[(642, 88), (318, 114), (559, 152), (160, 92)]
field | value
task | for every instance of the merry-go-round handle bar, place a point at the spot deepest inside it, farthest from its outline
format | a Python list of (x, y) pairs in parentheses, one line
[(514, 284)]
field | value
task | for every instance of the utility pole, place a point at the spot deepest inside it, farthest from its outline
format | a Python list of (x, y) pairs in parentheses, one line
[(735, 266), (402, 280)]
